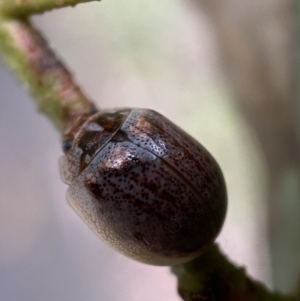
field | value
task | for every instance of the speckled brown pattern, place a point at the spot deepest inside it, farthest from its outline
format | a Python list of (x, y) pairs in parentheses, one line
[(143, 185)]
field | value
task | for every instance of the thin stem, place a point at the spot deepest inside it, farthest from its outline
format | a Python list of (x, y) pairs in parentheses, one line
[(19, 8), (212, 276), (297, 57), (51, 84), (297, 81)]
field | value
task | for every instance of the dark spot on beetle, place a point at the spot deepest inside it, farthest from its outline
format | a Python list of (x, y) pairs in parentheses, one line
[(120, 136), (165, 195), (93, 111), (140, 238), (88, 141), (94, 188), (66, 145), (111, 121)]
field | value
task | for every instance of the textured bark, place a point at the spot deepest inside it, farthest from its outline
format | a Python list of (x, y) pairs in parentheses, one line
[(54, 88), (212, 277)]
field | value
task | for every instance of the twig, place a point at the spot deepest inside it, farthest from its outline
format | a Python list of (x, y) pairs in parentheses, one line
[(19, 8), (212, 276), (50, 83), (297, 82), (297, 59)]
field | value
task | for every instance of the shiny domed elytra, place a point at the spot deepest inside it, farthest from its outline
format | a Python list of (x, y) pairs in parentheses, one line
[(143, 185)]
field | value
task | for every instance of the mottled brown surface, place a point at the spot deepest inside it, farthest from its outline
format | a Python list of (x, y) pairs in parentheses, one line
[(148, 186)]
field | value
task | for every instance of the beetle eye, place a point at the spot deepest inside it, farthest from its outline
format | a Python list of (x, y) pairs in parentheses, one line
[(66, 145)]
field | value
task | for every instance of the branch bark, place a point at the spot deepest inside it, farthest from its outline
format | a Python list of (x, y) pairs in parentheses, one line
[(212, 276), (50, 83), (17, 8)]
